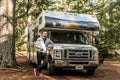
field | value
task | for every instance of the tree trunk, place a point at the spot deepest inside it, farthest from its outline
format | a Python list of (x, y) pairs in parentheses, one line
[(7, 33), (28, 23)]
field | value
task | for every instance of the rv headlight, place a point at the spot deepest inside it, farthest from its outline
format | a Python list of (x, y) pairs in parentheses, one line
[(95, 53), (95, 57), (57, 54)]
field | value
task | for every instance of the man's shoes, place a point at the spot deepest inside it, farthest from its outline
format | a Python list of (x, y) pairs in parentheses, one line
[(36, 73), (40, 74)]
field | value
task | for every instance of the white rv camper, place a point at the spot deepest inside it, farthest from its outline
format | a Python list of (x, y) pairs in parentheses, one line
[(74, 37)]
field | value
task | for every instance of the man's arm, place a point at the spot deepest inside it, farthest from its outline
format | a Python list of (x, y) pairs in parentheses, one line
[(37, 44), (51, 44)]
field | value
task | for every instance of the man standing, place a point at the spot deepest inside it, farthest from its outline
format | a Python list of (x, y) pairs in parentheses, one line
[(42, 45)]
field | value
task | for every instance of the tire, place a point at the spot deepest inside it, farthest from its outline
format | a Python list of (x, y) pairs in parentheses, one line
[(51, 70), (90, 72)]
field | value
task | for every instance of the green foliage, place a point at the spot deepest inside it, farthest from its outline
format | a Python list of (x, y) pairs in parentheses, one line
[(24, 9), (118, 56), (107, 12), (109, 20)]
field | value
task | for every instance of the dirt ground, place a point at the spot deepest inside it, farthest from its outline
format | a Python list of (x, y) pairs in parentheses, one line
[(110, 70)]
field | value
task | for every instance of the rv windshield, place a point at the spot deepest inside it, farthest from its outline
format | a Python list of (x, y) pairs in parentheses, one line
[(68, 37)]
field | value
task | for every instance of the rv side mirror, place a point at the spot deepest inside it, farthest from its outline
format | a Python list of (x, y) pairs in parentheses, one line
[(96, 40)]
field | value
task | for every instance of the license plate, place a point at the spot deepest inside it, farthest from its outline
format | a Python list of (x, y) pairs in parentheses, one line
[(79, 67)]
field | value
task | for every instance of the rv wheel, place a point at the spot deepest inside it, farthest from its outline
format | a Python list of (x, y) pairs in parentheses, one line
[(90, 72), (51, 70)]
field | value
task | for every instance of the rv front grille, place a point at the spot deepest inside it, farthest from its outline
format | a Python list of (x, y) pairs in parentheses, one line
[(78, 56), (84, 54)]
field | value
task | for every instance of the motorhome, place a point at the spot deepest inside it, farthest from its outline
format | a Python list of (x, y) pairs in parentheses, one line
[(74, 35)]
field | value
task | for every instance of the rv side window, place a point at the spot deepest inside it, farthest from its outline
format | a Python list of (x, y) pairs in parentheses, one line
[(35, 34)]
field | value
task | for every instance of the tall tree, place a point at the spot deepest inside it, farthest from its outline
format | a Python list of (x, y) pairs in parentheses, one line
[(7, 33), (26, 12)]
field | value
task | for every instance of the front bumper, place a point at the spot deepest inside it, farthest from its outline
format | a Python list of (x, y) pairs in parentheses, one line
[(77, 67), (79, 64)]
